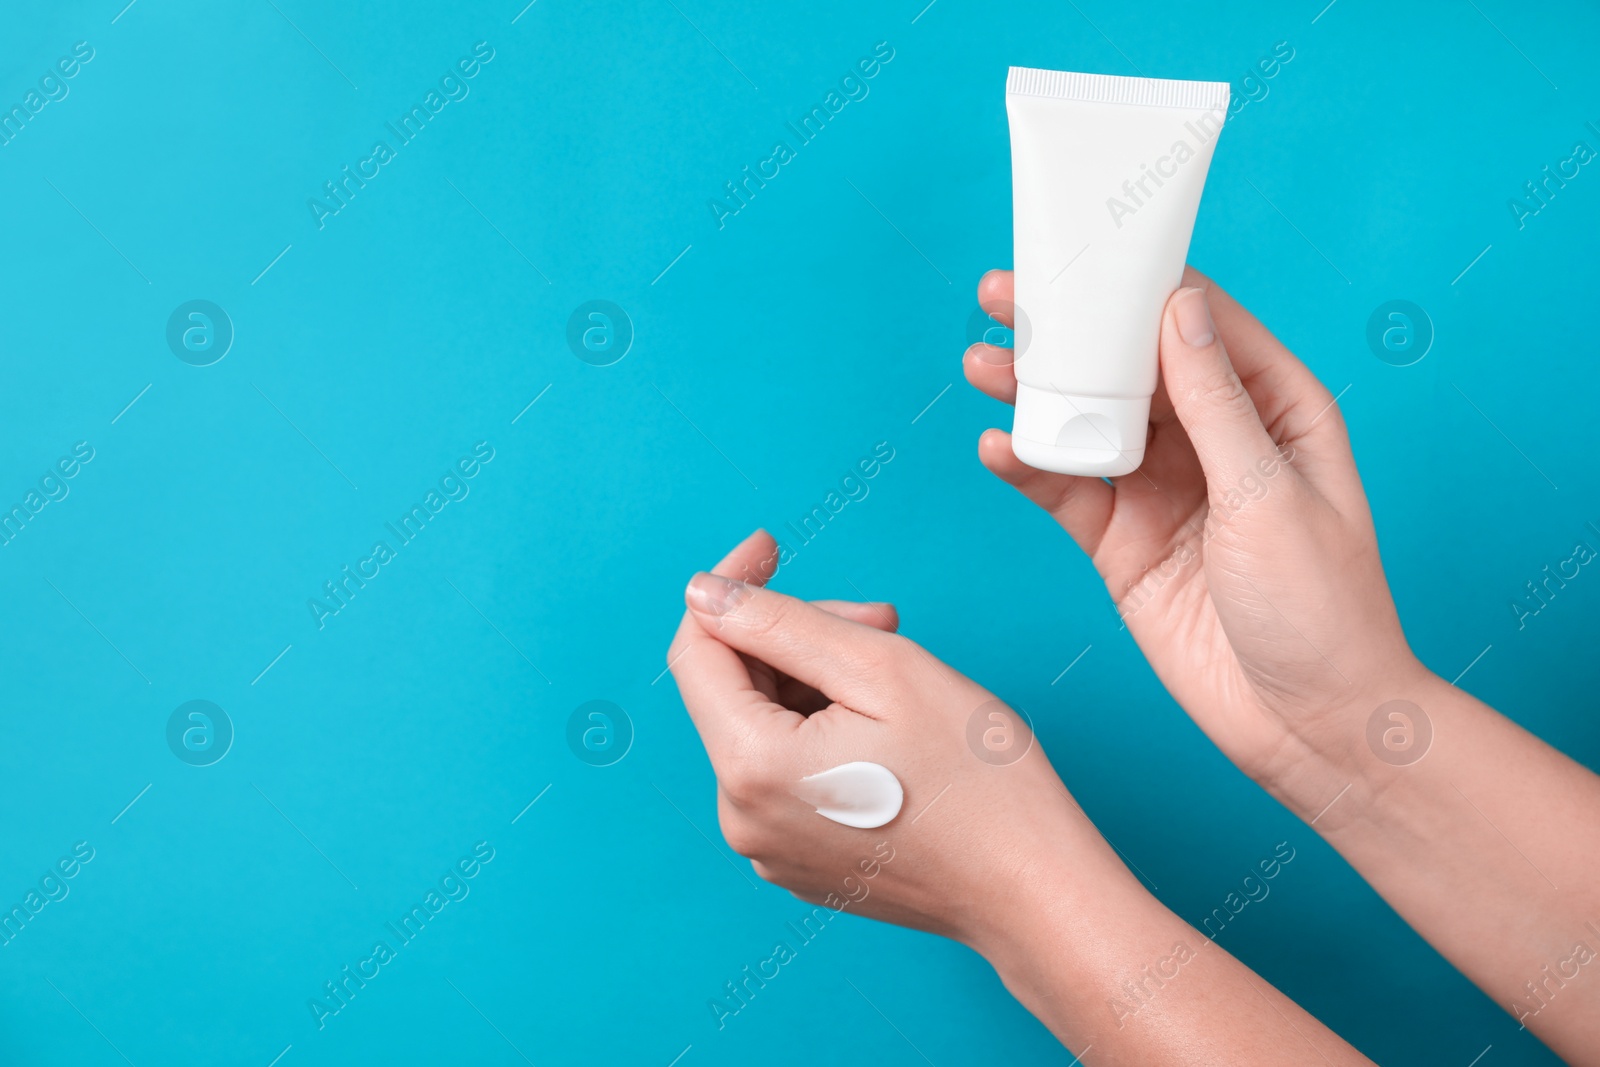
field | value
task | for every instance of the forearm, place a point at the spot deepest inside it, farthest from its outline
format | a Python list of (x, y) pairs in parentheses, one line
[(1119, 979), (1489, 846)]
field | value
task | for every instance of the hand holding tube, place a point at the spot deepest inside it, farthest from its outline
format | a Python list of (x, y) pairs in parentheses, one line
[(1243, 559), (1241, 555)]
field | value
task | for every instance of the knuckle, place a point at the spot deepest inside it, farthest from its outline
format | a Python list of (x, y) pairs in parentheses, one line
[(764, 618), (738, 786), (748, 835), (1223, 386), (743, 776), (741, 836), (891, 657), (741, 840)]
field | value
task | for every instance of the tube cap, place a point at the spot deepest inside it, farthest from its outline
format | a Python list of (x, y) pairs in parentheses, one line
[(1098, 436)]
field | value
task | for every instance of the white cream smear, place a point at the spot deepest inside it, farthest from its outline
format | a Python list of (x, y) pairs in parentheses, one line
[(863, 795)]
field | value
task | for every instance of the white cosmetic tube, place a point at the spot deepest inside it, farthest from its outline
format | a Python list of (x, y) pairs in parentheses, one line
[(1106, 175)]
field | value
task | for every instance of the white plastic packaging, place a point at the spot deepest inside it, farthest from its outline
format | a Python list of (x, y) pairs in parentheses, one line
[(1106, 175)]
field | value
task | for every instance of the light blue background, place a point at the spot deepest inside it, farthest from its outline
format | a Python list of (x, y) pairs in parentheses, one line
[(794, 339)]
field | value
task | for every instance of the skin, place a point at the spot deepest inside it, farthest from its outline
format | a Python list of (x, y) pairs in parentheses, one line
[(1277, 633), (995, 855), (1243, 560)]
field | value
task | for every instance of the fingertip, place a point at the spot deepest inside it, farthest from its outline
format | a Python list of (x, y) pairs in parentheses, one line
[(691, 590), (969, 359), (879, 616), (1179, 357), (759, 537), (1189, 316), (996, 293), (988, 369), (987, 355), (995, 453), (996, 284), (1208, 395), (712, 595), (753, 560), (767, 562)]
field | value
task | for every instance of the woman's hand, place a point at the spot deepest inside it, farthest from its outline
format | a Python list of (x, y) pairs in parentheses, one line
[(988, 848), (1241, 555), (781, 689)]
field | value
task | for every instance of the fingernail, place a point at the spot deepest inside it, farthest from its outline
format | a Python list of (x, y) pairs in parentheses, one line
[(714, 594), (1194, 318)]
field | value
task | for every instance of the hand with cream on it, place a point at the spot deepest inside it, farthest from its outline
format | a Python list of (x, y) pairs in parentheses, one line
[(782, 690), (1241, 554), (988, 848)]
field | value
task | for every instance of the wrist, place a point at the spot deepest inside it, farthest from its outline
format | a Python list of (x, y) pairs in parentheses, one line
[(1361, 745), (1078, 944), (1069, 904)]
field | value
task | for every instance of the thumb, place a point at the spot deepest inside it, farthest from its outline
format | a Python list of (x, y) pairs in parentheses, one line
[(1210, 400)]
